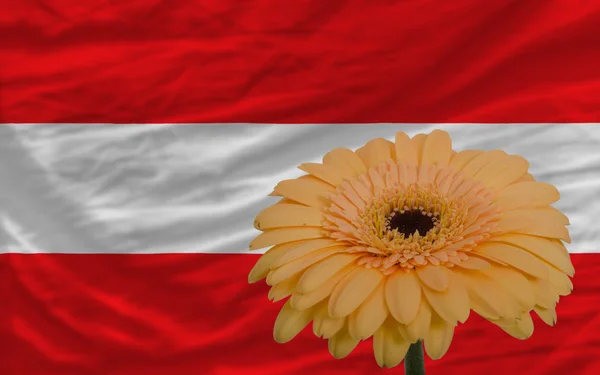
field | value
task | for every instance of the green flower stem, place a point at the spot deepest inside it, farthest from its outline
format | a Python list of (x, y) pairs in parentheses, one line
[(414, 362)]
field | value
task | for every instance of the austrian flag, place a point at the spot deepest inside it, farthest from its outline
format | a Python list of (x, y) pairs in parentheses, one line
[(203, 187)]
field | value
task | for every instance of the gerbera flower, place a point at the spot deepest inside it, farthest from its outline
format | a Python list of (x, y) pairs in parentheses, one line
[(400, 241)]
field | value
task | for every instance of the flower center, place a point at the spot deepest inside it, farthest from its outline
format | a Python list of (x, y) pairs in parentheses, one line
[(401, 215), (410, 222)]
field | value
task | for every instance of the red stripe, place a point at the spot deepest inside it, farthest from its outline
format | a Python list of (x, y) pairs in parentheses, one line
[(300, 61), (195, 314)]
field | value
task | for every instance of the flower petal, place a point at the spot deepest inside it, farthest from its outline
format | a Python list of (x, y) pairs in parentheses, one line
[(405, 151), (403, 295), (389, 346), (515, 257), (352, 290), (284, 235), (303, 248), (548, 316), (438, 338), (537, 222), (550, 251), (289, 323), (326, 173), (263, 265), (347, 163), (417, 329), (302, 301), (520, 328), (474, 263), (288, 215), (502, 171), (530, 194), (371, 314), (325, 326), (515, 283), (560, 282), (437, 148), (307, 190), (375, 152), (545, 295), (435, 277), (418, 142), (341, 344), (283, 289), (489, 294), (319, 273), (288, 270), (482, 160), (459, 160), (453, 304)]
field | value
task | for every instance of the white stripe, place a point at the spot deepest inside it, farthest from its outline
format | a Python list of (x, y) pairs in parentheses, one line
[(70, 188)]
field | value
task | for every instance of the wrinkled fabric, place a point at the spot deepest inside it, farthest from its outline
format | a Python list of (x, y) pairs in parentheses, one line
[(197, 188)]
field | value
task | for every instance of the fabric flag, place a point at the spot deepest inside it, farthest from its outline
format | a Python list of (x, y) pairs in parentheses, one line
[(124, 232)]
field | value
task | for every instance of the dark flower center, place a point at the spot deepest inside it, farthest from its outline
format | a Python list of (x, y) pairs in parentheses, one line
[(411, 221)]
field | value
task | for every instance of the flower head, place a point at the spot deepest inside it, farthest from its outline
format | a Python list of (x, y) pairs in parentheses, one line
[(400, 241)]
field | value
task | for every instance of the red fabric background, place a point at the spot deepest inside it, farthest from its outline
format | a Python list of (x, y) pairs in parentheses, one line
[(195, 314), (299, 61)]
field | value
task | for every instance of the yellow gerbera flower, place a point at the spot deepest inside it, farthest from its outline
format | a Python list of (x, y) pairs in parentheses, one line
[(400, 241)]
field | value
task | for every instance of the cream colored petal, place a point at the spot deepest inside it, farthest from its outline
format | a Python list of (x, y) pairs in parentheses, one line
[(389, 346), (303, 301), (521, 328), (403, 295), (283, 289), (551, 251), (489, 295), (474, 263), (514, 256), (405, 152), (515, 283), (437, 148), (438, 338), (459, 160), (341, 344), (418, 142), (263, 265), (375, 152), (326, 173), (284, 235), (548, 316), (288, 215), (325, 326), (530, 194), (307, 190), (481, 308), (319, 273), (482, 160), (435, 277), (288, 270), (559, 281), (304, 248), (289, 323), (371, 314), (352, 290), (501, 172), (347, 163), (418, 328), (556, 213), (453, 304), (537, 222), (545, 295), (526, 178)]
